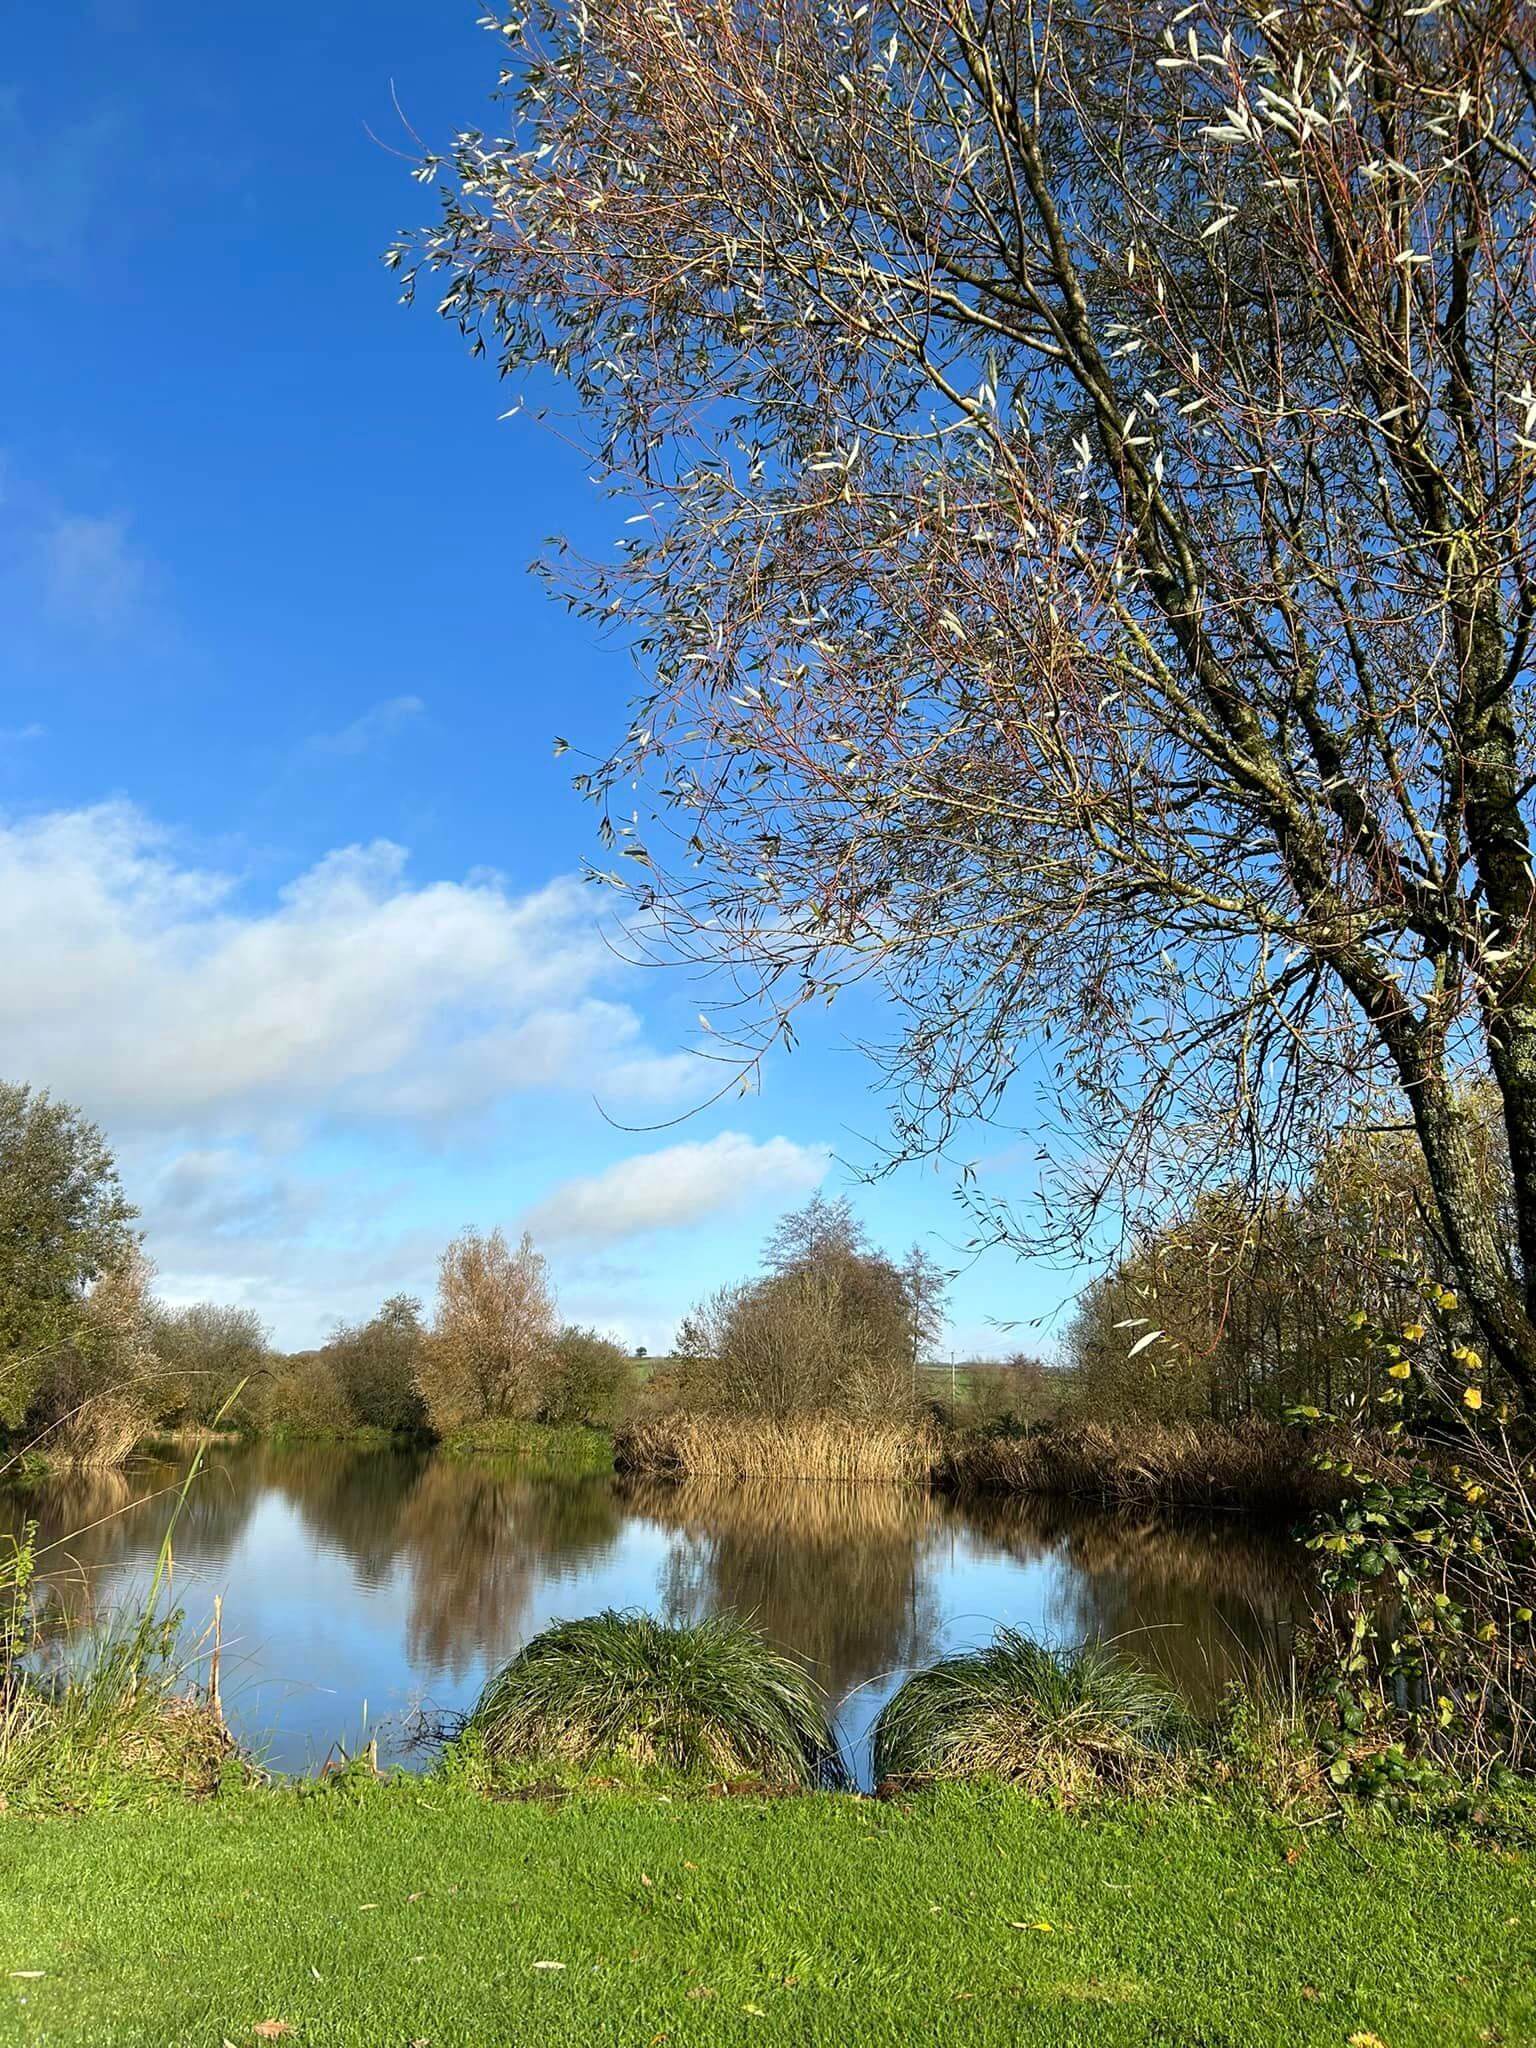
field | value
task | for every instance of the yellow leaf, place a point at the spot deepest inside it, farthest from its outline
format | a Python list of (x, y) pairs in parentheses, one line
[(1473, 1396), (1400, 1371), (1413, 1332)]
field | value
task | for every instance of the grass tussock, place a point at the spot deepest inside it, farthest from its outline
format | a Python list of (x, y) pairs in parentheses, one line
[(715, 1697), (1064, 1724), (1262, 1467), (843, 1448)]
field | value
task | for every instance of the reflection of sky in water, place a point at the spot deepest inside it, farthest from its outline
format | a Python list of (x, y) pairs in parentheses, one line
[(358, 1586)]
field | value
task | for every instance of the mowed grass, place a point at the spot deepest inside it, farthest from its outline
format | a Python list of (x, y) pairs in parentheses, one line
[(424, 1913)]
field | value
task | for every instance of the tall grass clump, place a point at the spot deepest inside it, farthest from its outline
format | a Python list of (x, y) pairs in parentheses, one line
[(845, 1448), (1065, 1723), (713, 1697)]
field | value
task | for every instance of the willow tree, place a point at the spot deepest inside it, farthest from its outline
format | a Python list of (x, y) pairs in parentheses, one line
[(1077, 464)]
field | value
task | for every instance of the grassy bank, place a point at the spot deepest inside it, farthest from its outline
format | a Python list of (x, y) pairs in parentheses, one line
[(552, 1450), (424, 1913)]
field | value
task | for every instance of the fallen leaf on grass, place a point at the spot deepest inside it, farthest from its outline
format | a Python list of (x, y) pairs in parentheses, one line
[(1033, 1926), (1366, 2041), (372, 1908), (756, 2011), (28, 1973), (271, 2030), (549, 1966)]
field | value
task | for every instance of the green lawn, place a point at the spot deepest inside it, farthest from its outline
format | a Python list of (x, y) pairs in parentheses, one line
[(425, 1914)]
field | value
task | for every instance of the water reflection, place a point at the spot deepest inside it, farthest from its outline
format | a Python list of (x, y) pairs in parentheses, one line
[(837, 1574), (363, 1582)]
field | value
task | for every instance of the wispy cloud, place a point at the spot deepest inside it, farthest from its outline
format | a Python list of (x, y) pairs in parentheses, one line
[(380, 722), (92, 571)]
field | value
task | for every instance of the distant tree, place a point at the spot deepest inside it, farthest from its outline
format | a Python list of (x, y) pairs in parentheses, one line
[(205, 1350), (587, 1379), (828, 1325), (820, 1230), (377, 1366), (926, 1285), (64, 1223), (492, 1334), (93, 1396), (1086, 578)]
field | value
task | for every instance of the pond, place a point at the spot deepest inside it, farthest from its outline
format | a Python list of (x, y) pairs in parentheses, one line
[(362, 1590)]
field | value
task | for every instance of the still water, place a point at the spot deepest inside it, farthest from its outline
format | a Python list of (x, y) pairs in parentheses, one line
[(361, 1589)]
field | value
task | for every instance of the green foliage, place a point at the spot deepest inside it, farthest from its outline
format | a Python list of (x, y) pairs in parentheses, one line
[(1228, 1310), (1062, 1722), (713, 1697), (1423, 1642), (540, 1450), (204, 1350), (376, 1367), (64, 1222), (588, 1379)]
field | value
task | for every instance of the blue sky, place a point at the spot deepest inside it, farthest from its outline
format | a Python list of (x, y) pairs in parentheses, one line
[(288, 892)]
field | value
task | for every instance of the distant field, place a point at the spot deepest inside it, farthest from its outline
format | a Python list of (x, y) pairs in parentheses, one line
[(421, 1916)]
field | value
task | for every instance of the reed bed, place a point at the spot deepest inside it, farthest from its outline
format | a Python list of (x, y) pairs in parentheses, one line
[(841, 1448), (1263, 1467)]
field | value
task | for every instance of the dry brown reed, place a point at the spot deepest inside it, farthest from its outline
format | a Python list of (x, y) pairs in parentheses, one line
[(1262, 1467), (820, 1446)]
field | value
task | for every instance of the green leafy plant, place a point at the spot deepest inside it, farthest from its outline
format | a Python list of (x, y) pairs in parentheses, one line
[(1422, 1646)]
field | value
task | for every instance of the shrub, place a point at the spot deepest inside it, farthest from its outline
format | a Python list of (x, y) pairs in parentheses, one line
[(714, 1696), (376, 1365), (1423, 1643), (205, 1350), (302, 1393), (587, 1379), (1062, 1722)]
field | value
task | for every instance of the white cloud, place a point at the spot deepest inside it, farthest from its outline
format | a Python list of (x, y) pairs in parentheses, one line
[(145, 988), (377, 723), (679, 1185)]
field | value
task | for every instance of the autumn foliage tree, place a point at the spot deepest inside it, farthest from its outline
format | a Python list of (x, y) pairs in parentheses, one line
[(493, 1335), (1077, 466)]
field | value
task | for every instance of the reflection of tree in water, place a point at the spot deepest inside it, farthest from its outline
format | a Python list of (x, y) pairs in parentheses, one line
[(478, 1536), (833, 1573), (89, 1525), (1205, 1601), (353, 1501)]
